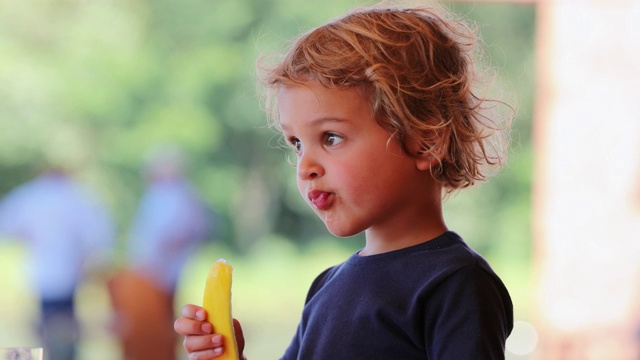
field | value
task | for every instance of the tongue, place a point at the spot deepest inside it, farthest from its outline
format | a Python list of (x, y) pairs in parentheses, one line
[(320, 200)]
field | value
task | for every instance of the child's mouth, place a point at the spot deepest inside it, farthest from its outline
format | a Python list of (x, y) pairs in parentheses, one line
[(320, 199)]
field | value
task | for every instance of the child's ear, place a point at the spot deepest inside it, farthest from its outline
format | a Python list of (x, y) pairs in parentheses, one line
[(425, 157), (425, 160)]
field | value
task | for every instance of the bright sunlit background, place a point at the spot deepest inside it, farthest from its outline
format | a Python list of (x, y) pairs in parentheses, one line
[(96, 84)]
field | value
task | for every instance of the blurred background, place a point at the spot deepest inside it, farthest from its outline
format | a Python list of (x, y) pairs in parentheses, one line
[(95, 86)]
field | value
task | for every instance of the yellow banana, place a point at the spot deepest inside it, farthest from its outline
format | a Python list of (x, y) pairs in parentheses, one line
[(217, 303)]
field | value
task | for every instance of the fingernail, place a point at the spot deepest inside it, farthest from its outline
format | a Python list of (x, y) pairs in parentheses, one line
[(200, 315), (207, 328), (217, 350), (216, 339)]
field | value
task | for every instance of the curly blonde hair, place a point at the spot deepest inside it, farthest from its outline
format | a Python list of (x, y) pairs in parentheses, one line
[(416, 68)]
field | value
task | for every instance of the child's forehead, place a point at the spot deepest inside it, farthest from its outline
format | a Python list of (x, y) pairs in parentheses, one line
[(312, 97), (318, 107)]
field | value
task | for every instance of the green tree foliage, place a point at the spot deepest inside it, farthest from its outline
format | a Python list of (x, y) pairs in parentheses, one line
[(96, 84)]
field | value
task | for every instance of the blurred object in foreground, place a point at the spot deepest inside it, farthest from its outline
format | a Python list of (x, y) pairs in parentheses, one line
[(145, 317), (169, 225), (67, 234), (21, 353), (587, 138)]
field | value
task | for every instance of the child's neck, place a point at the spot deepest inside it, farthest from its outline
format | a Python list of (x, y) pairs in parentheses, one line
[(426, 227)]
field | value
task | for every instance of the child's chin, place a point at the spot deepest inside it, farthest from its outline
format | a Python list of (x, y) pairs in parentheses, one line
[(340, 232)]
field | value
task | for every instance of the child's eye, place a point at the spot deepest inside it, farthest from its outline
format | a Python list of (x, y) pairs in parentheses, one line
[(296, 144), (332, 139)]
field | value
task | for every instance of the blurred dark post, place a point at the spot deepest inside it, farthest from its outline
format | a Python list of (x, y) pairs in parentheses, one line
[(587, 221), (66, 232), (170, 223)]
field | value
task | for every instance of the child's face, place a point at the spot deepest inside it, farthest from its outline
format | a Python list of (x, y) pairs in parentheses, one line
[(348, 169)]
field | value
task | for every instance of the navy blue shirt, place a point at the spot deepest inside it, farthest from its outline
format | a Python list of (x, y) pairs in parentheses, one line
[(436, 300)]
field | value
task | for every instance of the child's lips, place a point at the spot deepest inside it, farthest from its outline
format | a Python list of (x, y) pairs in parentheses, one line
[(320, 199)]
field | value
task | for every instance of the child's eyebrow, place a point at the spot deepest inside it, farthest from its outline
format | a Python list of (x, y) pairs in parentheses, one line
[(324, 120), (318, 122)]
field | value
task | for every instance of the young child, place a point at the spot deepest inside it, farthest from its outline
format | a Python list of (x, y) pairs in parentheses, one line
[(380, 109)]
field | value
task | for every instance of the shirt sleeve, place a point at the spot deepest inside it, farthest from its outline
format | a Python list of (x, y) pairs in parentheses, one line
[(292, 350), (470, 317)]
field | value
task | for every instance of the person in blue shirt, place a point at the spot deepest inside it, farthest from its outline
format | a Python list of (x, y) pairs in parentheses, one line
[(68, 234), (383, 114), (170, 223)]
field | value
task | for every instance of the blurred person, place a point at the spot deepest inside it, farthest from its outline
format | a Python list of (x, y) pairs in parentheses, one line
[(68, 233), (381, 111), (171, 221)]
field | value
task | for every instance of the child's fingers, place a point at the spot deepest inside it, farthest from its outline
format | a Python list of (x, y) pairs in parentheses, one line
[(194, 312), (203, 347), (205, 355), (186, 326)]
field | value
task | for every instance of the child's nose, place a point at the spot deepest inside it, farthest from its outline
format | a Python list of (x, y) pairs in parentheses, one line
[(308, 167)]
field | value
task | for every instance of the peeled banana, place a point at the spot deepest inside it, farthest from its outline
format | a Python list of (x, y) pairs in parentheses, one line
[(217, 303)]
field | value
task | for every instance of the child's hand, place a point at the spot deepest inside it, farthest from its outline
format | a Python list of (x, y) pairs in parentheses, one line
[(200, 342)]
